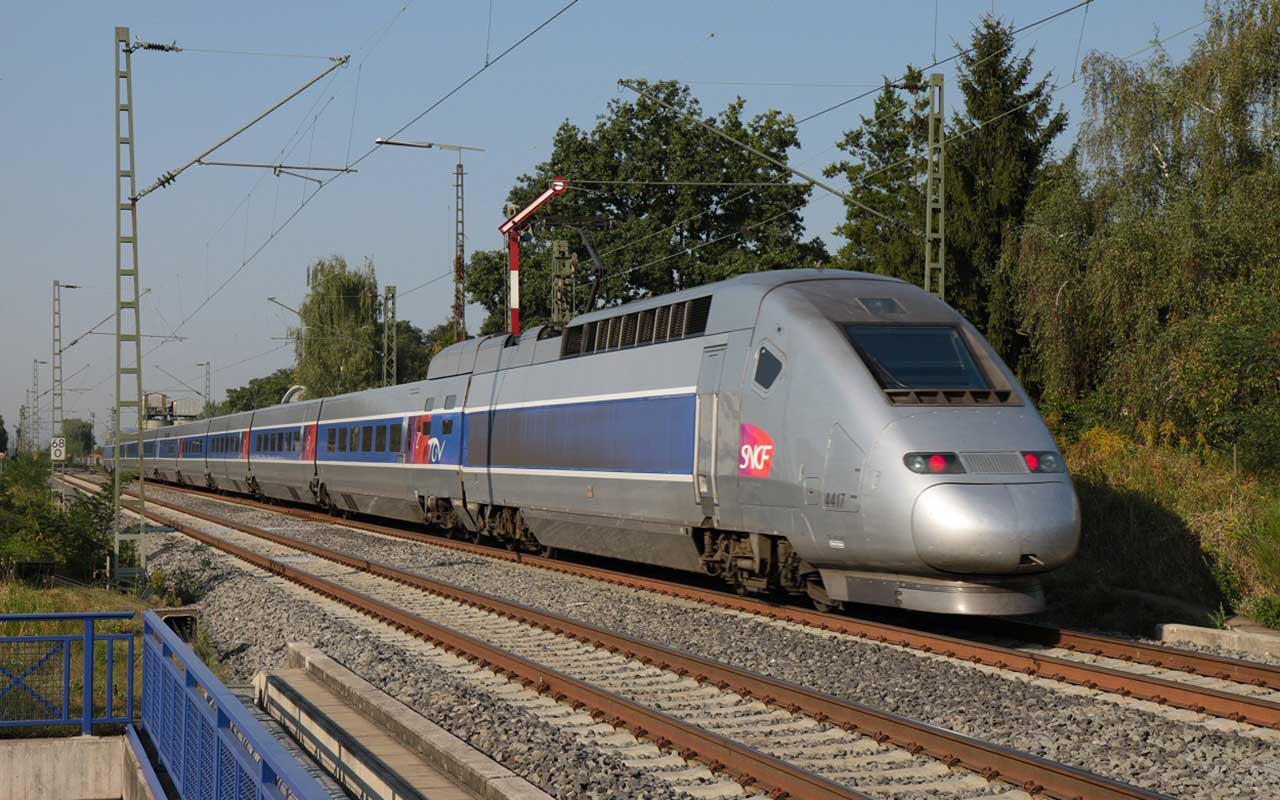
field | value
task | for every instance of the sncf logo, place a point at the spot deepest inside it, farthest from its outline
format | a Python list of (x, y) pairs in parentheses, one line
[(755, 458)]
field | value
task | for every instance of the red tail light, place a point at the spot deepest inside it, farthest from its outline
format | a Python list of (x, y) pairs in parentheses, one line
[(933, 463), (1044, 462)]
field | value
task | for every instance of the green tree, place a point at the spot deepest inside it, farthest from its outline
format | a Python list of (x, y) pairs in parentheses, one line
[(268, 390), (991, 172), (338, 343), (659, 192), (4, 436), (80, 440), (885, 171), (1147, 270)]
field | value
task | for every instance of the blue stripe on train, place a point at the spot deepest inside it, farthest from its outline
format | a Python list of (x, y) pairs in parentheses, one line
[(650, 434)]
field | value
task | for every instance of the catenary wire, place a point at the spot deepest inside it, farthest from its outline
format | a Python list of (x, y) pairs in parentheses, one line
[(365, 155)]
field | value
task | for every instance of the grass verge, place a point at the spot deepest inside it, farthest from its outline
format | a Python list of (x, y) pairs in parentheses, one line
[(1170, 534)]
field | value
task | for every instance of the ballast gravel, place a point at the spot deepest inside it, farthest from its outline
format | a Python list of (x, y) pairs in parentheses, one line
[(1122, 741), (252, 619)]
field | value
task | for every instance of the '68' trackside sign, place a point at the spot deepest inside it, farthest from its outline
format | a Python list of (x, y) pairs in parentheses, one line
[(755, 455)]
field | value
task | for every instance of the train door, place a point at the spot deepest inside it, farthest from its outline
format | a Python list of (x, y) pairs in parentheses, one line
[(707, 435)]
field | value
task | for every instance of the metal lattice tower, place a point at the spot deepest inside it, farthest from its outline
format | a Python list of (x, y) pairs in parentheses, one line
[(128, 310), (208, 388), (459, 259), (35, 405), (560, 312), (389, 336), (55, 362), (935, 239)]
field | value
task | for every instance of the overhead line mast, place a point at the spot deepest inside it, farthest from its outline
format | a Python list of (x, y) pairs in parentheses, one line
[(128, 326), (459, 241), (935, 198)]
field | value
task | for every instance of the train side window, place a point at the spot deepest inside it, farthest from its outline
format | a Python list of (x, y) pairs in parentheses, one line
[(342, 440), (450, 400), (431, 403), (396, 437), (381, 444), (333, 439), (446, 427), (768, 368), (366, 443), (426, 427)]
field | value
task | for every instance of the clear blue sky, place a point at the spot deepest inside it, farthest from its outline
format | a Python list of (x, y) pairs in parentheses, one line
[(56, 97)]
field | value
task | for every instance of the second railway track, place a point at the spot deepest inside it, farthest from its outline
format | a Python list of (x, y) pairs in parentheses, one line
[(1233, 689), (782, 738)]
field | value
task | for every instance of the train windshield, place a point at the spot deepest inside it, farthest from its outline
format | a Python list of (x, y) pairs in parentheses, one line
[(917, 356)]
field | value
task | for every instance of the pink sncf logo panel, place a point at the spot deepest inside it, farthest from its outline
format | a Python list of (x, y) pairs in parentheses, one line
[(755, 456)]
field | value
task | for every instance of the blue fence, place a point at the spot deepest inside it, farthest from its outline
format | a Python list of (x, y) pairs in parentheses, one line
[(212, 747), (37, 673)]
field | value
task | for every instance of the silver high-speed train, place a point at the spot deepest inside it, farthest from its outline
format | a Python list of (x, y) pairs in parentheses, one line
[(837, 434)]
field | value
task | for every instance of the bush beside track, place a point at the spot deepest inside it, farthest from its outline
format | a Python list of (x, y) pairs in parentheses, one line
[(1171, 532)]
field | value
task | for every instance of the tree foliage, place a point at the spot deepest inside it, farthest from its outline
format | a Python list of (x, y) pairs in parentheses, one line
[(259, 392), (991, 172), (885, 171), (1148, 274), (4, 437), (33, 528), (338, 343), (656, 237), (79, 435)]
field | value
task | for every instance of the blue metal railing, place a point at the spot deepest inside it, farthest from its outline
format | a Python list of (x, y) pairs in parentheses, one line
[(210, 744), (36, 673)]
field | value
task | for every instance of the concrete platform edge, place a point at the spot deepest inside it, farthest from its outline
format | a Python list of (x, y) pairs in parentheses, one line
[(444, 751), (1258, 644)]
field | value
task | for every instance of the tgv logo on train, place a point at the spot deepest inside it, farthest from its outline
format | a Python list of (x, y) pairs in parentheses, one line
[(435, 450), (755, 458)]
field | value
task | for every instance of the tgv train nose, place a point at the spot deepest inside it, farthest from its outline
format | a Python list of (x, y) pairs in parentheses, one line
[(996, 528)]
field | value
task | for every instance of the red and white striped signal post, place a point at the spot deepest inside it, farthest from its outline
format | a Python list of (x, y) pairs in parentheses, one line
[(511, 229)]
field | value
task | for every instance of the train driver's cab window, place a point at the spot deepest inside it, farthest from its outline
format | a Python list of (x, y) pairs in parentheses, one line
[(768, 368), (917, 357)]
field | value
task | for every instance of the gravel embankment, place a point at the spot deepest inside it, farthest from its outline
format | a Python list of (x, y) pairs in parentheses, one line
[(1186, 759), (253, 616)]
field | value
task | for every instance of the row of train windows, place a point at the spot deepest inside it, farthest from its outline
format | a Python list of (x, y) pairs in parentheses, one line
[(278, 442), (226, 444), (449, 402), (365, 439)]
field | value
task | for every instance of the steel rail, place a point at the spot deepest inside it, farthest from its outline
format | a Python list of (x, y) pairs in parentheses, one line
[(1032, 773), (1240, 708), (745, 764)]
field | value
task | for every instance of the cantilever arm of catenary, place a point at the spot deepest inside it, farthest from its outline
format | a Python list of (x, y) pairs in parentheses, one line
[(168, 177)]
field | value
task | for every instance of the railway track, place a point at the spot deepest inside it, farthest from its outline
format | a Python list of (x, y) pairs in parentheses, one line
[(1233, 689), (782, 739)]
